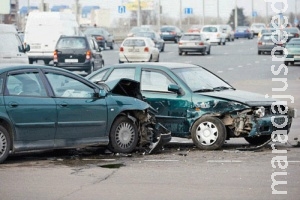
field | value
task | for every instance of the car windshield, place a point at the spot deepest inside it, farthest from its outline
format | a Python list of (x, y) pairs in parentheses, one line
[(291, 30), (134, 42), (71, 43), (200, 80), (210, 29), (94, 31), (191, 37), (145, 34), (167, 29)]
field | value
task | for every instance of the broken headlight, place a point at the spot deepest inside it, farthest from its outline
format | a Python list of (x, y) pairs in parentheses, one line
[(259, 112)]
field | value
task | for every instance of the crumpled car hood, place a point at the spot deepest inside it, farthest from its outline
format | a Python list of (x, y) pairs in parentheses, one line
[(248, 98)]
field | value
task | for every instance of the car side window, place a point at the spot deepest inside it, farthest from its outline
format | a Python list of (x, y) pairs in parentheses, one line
[(68, 87), (121, 73), (25, 84), (99, 76), (155, 81)]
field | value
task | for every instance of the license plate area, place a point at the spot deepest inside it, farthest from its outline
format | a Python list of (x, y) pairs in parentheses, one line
[(71, 60)]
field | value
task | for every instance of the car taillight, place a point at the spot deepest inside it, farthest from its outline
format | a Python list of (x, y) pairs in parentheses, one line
[(247, 31), (146, 49), (180, 43), (259, 43), (173, 33), (218, 35), (88, 55), (201, 43), (121, 49), (55, 56), (296, 35), (99, 38)]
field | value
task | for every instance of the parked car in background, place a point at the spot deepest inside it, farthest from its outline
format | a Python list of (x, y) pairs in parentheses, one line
[(194, 43), (194, 28), (257, 27), (292, 32), (243, 32), (265, 44), (214, 33), (170, 33), (192, 102), (78, 53), (47, 108), (136, 29), (102, 36), (138, 49), (229, 32), (12, 49), (155, 37), (293, 51)]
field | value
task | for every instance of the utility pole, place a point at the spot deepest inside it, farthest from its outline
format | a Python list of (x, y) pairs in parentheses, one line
[(253, 17), (267, 14), (159, 10), (180, 13), (218, 12), (139, 13), (235, 15), (203, 14)]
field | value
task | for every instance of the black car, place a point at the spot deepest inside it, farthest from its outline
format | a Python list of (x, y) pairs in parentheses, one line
[(102, 36), (292, 33), (170, 33), (78, 53), (156, 38)]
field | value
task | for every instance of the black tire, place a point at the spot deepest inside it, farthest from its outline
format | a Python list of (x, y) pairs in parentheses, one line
[(120, 61), (5, 144), (123, 136), (232, 39), (180, 53), (30, 61), (157, 60), (208, 133), (292, 63), (163, 48), (219, 43), (91, 69), (208, 52), (112, 46), (258, 140), (46, 62), (259, 52), (150, 59), (224, 43), (286, 63), (176, 40)]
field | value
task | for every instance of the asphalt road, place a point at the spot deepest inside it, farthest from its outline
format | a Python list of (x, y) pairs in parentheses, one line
[(181, 171)]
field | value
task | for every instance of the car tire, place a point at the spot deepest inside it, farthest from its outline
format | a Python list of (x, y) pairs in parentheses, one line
[(219, 43), (292, 63), (30, 61), (176, 40), (121, 62), (91, 69), (150, 59), (208, 52), (123, 136), (259, 52), (232, 39), (258, 140), (5, 144), (46, 62), (224, 43), (112, 46), (163, 48), (180, 53), (208, 133), (157, 60)]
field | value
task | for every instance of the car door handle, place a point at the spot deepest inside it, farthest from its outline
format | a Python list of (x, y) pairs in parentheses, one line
[(13, 104), (63, 104)]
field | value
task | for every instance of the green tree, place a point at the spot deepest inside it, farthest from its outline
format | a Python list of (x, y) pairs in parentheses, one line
[(242, 20)]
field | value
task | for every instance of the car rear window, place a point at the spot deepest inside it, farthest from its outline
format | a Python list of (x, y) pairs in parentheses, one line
[(191, 37), (71, 43), (134, 42), (167, 29), (210, 29)]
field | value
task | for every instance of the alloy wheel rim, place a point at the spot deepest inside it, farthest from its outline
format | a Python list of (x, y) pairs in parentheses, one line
[(207, 133), (125, 135), (3, 144)]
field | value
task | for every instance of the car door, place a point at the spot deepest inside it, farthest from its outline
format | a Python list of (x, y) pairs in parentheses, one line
[(82, 118), (30, 109), (97, 56), (172, 109)]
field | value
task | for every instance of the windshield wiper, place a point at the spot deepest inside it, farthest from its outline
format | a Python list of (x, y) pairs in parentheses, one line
[(219, 88), (204, 90)]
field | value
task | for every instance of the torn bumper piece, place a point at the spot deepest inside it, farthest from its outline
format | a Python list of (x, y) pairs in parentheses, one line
[(163, 136)]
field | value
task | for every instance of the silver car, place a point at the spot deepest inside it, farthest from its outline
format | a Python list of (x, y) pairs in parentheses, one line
[(266, 45), (193, 42)]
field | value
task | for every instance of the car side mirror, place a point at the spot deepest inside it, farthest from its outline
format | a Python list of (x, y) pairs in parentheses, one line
[(176, 89), (27, 47), (99, 93)]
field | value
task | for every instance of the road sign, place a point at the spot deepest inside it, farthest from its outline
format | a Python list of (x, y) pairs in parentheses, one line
[(188, 11), (121, 9), (254, 14)]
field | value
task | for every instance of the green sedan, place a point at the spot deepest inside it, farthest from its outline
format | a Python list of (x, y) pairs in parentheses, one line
[(194, 103), (50, 108)]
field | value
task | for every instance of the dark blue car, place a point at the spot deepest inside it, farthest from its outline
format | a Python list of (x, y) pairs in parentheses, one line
[(243, 32)]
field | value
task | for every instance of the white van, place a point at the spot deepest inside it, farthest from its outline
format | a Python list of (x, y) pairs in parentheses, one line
[(43, 30), (11, 47), (214, 33)]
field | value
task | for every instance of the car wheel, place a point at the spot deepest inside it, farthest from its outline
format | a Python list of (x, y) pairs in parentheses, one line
[(292, 63), (46, 62), (157, 60), (176, 40), (208, 133), (123, 136), (258, 140), (180, 53), (91, 69), (163, 48), (219, 43), (224, 42), (5, 144), (121, 61), (30, 61), (112, 46), (232, 39), (208, 52), (150, 59), (259, 52)]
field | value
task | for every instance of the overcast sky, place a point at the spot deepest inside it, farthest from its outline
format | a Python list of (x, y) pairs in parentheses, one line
[(171, 7)]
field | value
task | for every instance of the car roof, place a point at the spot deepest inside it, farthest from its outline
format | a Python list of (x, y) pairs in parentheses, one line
[(160, 65), (17, 66)]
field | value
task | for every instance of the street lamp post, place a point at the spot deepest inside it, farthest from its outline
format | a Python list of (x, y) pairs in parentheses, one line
[(235, 15)]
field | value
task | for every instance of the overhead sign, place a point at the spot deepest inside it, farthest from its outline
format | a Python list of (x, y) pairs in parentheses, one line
[(254, 14), (188, 11), (4, 7), (144, 5), (121, 9)]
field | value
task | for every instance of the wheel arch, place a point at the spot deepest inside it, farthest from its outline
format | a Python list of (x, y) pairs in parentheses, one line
[(9, 127)]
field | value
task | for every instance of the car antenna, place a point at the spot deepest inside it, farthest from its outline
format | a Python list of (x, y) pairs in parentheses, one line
[(123, 53)]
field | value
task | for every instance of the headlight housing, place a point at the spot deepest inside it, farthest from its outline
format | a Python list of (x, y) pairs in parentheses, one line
[(260, 112)]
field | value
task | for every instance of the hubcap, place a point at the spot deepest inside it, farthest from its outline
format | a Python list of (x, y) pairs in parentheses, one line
[(3, 144), (207, 133), (125, 135)]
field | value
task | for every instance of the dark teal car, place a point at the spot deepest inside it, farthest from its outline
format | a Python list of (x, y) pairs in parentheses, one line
[(194, 103), (50, 108)]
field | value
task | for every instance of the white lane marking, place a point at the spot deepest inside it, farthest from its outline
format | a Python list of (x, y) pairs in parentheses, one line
[(256, 62), (224, 161), (230, 69), (161, 160), (249, 64), (225, 53), (240, 66), (219, 71)]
